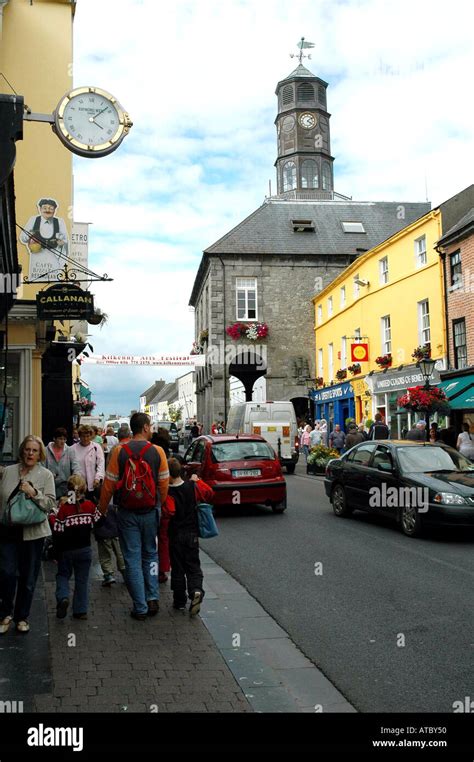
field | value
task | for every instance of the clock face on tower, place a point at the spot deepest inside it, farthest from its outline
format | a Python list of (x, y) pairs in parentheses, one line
[(308, 121)]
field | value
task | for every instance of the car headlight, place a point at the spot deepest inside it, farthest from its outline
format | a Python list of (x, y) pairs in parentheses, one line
[(449, 498)]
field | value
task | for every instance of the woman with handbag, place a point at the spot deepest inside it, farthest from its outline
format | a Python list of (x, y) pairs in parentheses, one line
[(27, 494)]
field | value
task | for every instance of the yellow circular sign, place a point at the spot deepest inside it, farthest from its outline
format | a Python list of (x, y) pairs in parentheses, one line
[(359, 353)]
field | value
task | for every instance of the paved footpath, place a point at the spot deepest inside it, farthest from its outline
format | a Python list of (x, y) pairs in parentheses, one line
[(233, 657)]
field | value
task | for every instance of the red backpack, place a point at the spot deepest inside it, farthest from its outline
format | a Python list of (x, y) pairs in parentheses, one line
[(137, 485)]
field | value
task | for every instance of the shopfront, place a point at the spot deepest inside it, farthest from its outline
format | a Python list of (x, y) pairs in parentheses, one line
[(387, 387), (362, 399), (459, 389), (334, 404)]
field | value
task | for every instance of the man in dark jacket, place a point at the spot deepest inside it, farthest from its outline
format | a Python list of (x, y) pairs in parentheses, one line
[(418, 432), (379, 429), (354, 436)]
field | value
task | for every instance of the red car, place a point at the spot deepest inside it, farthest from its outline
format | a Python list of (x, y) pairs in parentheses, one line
[(240, 469)]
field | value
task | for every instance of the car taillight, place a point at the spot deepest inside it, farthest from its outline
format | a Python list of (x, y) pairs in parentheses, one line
[(297, 443), (286, 431)]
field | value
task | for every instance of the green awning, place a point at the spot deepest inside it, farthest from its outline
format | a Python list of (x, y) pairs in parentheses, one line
[(460, 392)]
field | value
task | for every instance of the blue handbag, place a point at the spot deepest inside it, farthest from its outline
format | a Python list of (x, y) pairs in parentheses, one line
[(20, 510), (207, 523)]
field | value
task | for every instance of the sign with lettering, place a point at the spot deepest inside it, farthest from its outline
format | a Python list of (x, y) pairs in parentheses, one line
[(333, 393), (196, 360), (64, 301), (397, 381)]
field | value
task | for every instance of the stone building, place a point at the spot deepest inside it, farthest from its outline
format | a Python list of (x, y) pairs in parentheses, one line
[(267, 269)]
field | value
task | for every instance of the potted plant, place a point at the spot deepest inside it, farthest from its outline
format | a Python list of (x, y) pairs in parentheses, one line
[(341, 374), (318, 458), (252, 331), (203, 337), (355, 368), (422, 352), (384, 361), (197, 349), (319, 381), (98, 318)]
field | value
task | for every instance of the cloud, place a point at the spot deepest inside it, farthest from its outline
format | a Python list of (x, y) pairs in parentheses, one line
[(198, 79)]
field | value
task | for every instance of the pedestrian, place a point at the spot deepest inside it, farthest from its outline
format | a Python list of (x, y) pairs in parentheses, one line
[(379, 429), (186, 573), (75, 435), (72, 530), (323, 427), (222, 427), (124, 433), (448, 436), (194, 431), (162, 439), (21, 547), (337, 439), (434, 435), (61, 460), (96, 437), (417, 432), (465, 442), (214, 428), (90, 456), (139, 500), (361, 429), (109, 439), (306, 440), (315, 436), (354, 436)]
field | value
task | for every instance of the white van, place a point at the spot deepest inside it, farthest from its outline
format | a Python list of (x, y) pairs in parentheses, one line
[(116, 423), (274, 421)]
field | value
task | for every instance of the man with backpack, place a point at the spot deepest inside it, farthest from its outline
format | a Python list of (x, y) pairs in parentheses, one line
[(379, 429), (138, 471)]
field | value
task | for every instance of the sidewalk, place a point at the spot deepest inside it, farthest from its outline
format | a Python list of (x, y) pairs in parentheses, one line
[(233, 657)]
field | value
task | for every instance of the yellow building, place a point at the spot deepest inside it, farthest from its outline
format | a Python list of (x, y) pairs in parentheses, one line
[(36, 59), (390, 299)]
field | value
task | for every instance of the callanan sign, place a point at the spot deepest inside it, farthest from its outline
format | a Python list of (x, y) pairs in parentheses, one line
[(64, 301)]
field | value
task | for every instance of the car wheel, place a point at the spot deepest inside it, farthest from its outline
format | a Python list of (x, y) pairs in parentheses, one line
[(279, 507), (290, 468), (410, 521), (339, 502)]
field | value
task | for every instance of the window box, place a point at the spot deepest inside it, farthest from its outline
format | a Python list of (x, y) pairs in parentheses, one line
[(384, 361)]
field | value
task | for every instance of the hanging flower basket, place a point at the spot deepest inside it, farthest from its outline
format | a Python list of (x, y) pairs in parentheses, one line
[(355, 369), (252, 331), (319, 381), (197, 348), (422, 352), (384, 361), (421, 400), (203, 337), (341, 374)]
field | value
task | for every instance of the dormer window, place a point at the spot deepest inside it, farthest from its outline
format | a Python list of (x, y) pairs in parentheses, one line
[(353, 227), (302, 226)]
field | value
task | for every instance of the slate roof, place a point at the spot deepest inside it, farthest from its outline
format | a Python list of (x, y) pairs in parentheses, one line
[(300, 71), (461, 228), (167, 394), (152, 391)]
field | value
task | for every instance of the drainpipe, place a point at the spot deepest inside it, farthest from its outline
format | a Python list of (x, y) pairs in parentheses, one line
[(225, 337), (442, 254)]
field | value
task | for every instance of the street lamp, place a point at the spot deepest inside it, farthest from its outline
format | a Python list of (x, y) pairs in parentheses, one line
[(427, 367), (77, 388)]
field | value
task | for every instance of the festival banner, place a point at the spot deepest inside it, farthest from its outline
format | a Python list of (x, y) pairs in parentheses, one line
[(198, 360)]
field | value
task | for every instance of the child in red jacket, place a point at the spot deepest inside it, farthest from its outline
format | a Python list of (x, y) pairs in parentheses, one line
[(183, 531)]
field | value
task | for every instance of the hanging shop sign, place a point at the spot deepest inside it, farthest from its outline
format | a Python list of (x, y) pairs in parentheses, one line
[(359, 352), (64, 301), (145, 360), (396, 380), (332, 393)]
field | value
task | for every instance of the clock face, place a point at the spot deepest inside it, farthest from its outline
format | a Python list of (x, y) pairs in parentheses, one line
[(91, 122), (308, 121)]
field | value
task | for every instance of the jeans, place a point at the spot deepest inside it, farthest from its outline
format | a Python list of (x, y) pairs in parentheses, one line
[(137, 534), (22, 557), (306, 451), (78, 561)]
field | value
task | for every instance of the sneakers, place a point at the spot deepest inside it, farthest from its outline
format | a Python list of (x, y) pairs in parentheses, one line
[(5, 624), (109, 580), (195, 604), (79, 616), (23, 626), (61, 608), (139, 617), (153, 608)]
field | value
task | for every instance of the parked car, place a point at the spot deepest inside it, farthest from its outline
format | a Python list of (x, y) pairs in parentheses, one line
[(416, 483), (172, 430), (244, 464)]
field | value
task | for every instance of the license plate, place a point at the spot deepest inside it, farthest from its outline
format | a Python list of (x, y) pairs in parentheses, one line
[(247, 472)]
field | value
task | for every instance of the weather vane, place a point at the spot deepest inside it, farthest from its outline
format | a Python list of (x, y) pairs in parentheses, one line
[(302, 44)]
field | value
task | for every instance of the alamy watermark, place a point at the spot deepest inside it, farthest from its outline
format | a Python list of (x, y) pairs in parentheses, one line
[(400, 497), (9, 283)]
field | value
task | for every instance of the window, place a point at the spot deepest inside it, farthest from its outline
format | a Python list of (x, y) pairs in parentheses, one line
[(383, 270), (305, 92), (382, 458), (246, 298), (343, 352), (460, 343), (329, 305), (320, 314), (309, 174), (456, 269), (420, 251), (353, 227), (356, 286), (303, 226), (320, 362), (326, 176), (343, 296), (289, 176), (386, 335), (362, 455), (331, 360), (424, 322)]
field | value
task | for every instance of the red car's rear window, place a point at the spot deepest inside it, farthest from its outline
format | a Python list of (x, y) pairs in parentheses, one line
[(241, 450)]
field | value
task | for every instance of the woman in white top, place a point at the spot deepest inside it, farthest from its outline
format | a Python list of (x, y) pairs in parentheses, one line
[(465, 443)]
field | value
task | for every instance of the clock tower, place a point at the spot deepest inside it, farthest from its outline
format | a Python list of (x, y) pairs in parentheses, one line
[(304, 163)]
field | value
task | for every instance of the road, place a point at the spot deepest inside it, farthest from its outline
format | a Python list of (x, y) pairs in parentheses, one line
[(388, 619)]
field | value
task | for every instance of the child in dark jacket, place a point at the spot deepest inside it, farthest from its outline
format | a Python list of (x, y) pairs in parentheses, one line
[(108, 545), (72, 542), (183, 531)]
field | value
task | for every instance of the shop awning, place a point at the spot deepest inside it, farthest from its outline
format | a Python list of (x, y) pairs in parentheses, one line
[(459, 391)]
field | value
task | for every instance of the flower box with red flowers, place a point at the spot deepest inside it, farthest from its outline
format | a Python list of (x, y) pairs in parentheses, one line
[(384, 361), (354, 369), (341, 374), (252, 331), (422, 352)]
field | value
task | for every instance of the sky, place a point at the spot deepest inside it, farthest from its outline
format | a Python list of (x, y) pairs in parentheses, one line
[(198, 79)]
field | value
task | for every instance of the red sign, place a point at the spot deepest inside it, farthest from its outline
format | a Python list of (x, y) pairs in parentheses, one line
[(359, 352)]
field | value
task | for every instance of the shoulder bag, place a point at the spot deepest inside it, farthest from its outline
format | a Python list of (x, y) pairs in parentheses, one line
[(20, 510)]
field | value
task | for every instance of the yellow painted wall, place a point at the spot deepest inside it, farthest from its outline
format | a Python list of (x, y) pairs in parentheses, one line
[(36, 58), (408, 285)]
